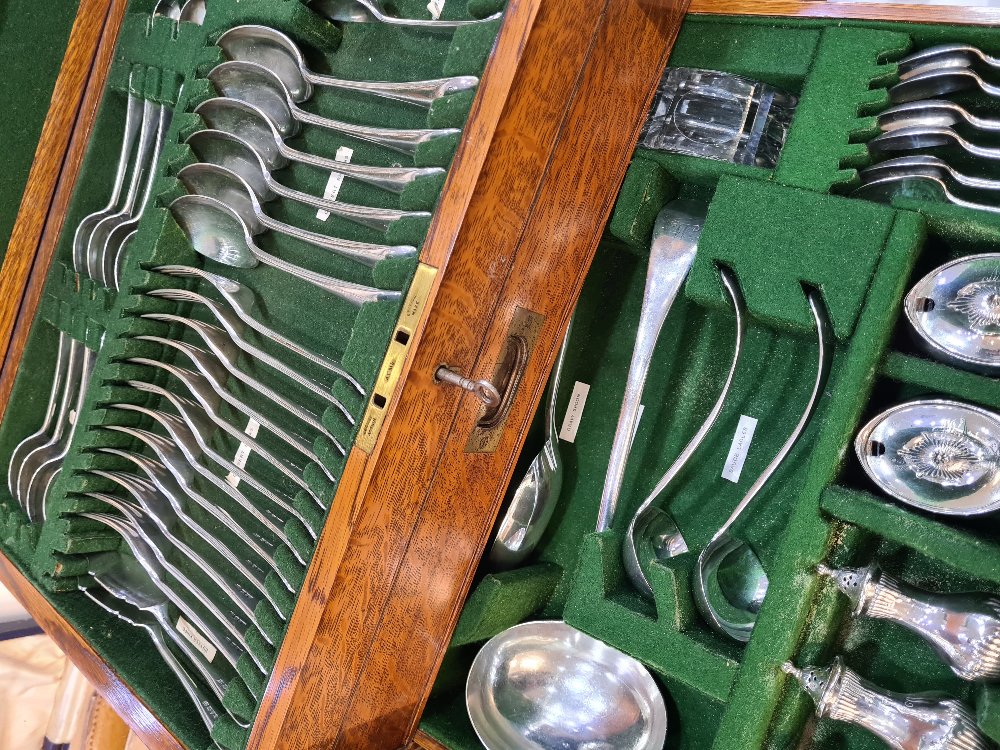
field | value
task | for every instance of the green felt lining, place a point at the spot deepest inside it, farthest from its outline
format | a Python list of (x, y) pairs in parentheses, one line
[(776, 229), (164, 62)]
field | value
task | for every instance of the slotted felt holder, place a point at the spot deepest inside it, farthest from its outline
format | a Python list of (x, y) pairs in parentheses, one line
[(168, 63), (780, 232)]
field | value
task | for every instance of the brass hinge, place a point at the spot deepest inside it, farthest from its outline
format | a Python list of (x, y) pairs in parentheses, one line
[(392, 365)]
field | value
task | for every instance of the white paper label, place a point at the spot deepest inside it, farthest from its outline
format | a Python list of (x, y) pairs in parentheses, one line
[(574, 412), (436, 7), (196, 639), (344, 154), (739, 449), (243, 452)]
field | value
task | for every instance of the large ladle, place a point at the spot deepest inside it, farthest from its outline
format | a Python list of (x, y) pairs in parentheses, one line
[(229, 188), (730, 563), (932, 83), (367, 11), (652, 524), (279, 54), (236, 155), (546, 684), (217, 232), (256, 85), (924, 186), (935, 113), (255, 127)]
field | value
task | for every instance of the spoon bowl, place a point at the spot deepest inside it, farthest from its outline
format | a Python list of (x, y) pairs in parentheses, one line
[(546, 685), (368, 11), (932, 83), (925, 186), (927, 166), (933, 113), (944, 55)]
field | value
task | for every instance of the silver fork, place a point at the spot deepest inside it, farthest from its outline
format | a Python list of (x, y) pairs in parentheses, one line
[(230, 641), (195, 414), (170, 489), (192, 443), (221, 344), (216, 370), (159, 536), (242, 300), (209, 392), (173, 460)]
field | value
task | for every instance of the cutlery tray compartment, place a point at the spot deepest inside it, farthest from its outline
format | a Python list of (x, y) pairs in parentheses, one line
[(160, 61), (776, 229)]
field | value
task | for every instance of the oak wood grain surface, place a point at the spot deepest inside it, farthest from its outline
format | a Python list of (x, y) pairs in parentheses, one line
[(871, 11)]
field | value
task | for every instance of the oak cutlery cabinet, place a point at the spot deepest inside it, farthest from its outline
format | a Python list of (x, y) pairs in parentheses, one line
[(541, 200)]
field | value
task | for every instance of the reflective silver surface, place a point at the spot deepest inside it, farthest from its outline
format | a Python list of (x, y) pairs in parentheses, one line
[(946, 54), (937, 113), (903, 722), (937, 455), (955, 309), (925, 186), (903, 167), (547, 686), (964, 629), (279, 54), (930, 82), (367, 11), (928, 136)]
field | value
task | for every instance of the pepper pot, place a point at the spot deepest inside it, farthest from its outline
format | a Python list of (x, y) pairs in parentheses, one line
[(964, 629), (903, 722)]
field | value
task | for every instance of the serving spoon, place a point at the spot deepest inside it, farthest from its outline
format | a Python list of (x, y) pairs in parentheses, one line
[(278, 53), (651, 523), (731, 563), (230, 189), (932, 83), (923, 186), (237, 156), (217, 232), (256, 85), (367, 11), (255, 127), (934, 113)]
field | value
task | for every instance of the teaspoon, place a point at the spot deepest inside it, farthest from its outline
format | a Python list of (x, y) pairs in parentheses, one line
[(229, 188), (254, 126), (279, 54), (217, 232), (234, 154), (258, 86), (367, 11)]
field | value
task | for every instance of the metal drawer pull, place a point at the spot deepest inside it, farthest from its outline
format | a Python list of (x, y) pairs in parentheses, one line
[(484, 390)]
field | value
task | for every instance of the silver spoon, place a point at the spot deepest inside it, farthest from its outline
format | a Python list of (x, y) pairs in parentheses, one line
[(930, 166), (675, 242), (730, 561), (193, 11), (536, 496), (910, 139), (230, 189), (217, 232), (221, 343), (254, 126), (168, 9), (159, 497), (256, 85), (650, 522), (367, 11), (934, 113), (923, 186), (936, 82), (242, 301), (234, 154), (279, 54), (963, 54)]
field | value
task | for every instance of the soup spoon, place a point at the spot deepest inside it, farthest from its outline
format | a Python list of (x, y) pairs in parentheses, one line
[(242, 301), (256, 85), (922, 186), (229, 152), (278, 53), (933, 113), (651, 523), (930, 166), (951, 54), (255, 127), (229, 188), (217, 232), (732, 564), (935, 82), (913, 138), (367, 11)]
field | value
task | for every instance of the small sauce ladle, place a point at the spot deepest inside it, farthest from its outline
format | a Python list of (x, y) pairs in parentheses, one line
[(252, 125), (279, 54)]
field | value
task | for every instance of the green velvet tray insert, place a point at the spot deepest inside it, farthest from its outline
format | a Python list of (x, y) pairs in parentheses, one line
[(33, 47), (160, 61), (777, 230)]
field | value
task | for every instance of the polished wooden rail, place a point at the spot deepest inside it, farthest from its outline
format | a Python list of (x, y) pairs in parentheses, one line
[(859, 11)]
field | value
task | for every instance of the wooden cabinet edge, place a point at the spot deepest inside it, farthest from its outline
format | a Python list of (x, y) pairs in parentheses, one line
[(949, 14)]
